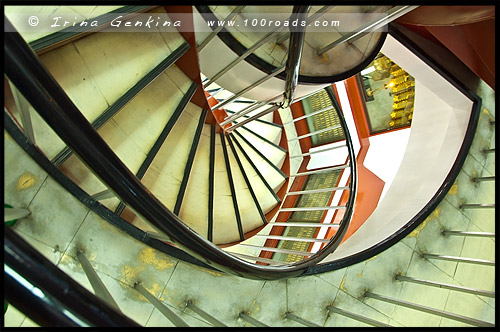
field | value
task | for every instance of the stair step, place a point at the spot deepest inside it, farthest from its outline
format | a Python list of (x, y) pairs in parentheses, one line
[(251, 218), (102, 14), (132, 132), (124, 57), (128, 96), (78, 68), (248, 213), (189, 162), (258, 178), (248, 184), (130, 107), (259, 135), (225, 228), (165, 174), (194, 210), (232, 186), (269, 164), (264, 119)]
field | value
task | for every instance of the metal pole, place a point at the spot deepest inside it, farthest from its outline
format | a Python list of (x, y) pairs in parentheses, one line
[(446, 286), (486, 178), (251, 320), (258, 259), (23, 108), (392, 14), (11, 213), (477, 206), (247, 110), (300, 320), (478, 234), (243, 112), (489, 150), (357, 317), (313, 191), (309, 114), (318, 151), (314, 133), (244, 122), (106, 193), (302, 224), (291, 238), (212, 320), (429, 310), (214, 33), (460, 259), (171, 316), (254, 47), (240, 93), (336, 168), (272, 249), (242, 57), (99, 289), (295, 47), (314, 208)]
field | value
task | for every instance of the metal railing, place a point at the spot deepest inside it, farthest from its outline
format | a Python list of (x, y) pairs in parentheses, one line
[(61, 301), (392, 14), (295, 51), (46, 96), (268, 37), (47, 295), (295, 46), (339, 226), (292, 68), (214, 33)]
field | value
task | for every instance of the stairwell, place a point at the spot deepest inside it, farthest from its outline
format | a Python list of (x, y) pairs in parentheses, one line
[(59, 224)]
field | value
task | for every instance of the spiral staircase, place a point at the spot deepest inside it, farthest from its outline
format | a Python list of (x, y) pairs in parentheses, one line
[(202, 179)]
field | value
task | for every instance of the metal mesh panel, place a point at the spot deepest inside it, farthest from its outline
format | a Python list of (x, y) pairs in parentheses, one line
[(313, 181), (323, 120)]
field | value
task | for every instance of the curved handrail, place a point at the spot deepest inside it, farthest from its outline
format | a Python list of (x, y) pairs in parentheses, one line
[(444, 188), (230, 41), (64, 302), (32, 79), (295, 46)]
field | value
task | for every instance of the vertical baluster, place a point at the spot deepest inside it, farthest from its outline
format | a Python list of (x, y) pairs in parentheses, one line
[(169, 314), (251, 320), (99, 289), (212, 320)]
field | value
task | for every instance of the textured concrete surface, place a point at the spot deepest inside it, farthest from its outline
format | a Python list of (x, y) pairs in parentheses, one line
[(59, 223)]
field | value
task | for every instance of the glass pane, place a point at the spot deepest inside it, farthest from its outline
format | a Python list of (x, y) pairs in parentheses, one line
[(389, 93)]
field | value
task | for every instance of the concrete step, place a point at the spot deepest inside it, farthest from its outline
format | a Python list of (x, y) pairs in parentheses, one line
[(79, 66), (132, 132)]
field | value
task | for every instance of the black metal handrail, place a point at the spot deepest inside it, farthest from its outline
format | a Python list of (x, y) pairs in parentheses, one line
[(54, 299), (295, 46), (32, 79)]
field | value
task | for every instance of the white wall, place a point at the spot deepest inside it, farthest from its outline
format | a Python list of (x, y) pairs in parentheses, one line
[(385, 155), (440, 120)]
